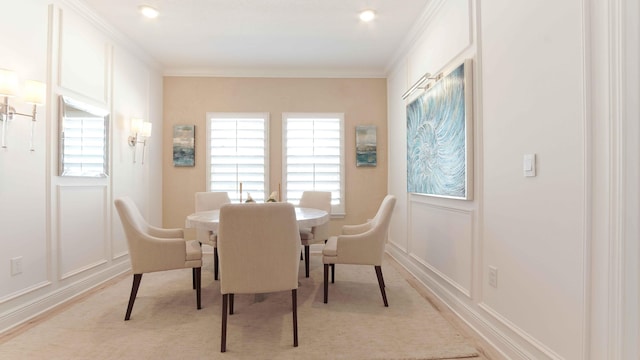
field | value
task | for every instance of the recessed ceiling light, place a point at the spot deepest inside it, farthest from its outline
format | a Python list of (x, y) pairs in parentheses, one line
[(148, 11), (367, 15)]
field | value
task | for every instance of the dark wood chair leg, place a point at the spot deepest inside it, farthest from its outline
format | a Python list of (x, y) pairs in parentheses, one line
[(306, 260), (231, 296), (294, 308), (215, 263), (333, 273), (301, 257), (193, 278), (381, 283), (198, 279), (134, 291), (326, 282), (223, 332)]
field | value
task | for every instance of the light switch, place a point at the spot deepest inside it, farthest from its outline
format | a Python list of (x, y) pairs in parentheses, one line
[(529, 165)]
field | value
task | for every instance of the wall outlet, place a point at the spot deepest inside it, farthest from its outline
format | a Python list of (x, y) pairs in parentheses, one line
[(16, 265), (493, 276)]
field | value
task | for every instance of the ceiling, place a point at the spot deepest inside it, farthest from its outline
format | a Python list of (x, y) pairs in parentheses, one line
[(267, 37)]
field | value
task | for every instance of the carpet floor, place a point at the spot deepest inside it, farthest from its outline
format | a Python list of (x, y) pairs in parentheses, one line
[(166, 325)]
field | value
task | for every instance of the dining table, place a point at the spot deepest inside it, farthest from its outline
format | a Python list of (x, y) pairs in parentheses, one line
[(209, 220)]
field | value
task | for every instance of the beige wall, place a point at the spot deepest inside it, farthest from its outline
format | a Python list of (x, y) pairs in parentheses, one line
[(188, 99)]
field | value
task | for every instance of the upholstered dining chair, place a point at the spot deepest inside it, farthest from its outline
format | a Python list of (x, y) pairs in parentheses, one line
[(210, 201), (259, 246), (360, 244), (154, 249), (317, 234)]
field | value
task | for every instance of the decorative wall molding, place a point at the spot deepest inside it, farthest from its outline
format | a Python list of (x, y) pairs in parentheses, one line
[(89, 77), (462, 216), (111, 32), (521, 334), (45, 303), (82, 269), (24, 291), (67, 247), (416, 32), (616, 196), (605, 24)]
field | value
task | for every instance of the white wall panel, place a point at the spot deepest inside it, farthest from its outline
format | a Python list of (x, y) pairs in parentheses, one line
[(534, 228), (82, 228), (61, 226), (22, 172), (441, 239), (83, 57)]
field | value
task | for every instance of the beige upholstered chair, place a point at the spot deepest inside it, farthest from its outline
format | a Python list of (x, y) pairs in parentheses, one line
[(317, 234), (259, 245), (360, 244), (210, 201), (155, 249)]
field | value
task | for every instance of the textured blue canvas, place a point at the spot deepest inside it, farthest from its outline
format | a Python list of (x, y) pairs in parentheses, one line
[(436, 139)]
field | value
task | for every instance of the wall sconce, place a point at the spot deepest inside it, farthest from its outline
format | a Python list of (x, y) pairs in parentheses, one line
[(141, 131), (34, 93)]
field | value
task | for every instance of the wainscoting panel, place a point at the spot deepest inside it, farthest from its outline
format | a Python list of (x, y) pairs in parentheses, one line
[(441, 239), (82, 225), (86, 74)]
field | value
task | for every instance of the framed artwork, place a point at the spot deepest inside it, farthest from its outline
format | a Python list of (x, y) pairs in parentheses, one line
[(184, 150), (439, 137), (366, 143)]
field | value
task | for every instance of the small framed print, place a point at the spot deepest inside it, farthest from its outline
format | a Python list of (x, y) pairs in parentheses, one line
[(184, 150), (366, 143)]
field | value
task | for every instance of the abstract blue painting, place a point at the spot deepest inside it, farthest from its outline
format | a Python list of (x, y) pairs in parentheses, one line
[(438, 138), (366, 145)]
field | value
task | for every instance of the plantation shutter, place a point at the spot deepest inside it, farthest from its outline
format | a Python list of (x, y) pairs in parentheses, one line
[(313, 156), (237, 145)]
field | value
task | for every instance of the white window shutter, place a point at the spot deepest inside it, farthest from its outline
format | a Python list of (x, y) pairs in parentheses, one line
[(313, 156), (238, 153)]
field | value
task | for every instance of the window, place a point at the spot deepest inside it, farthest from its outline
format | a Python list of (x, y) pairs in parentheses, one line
[(237, 154), (83, 139), (313, 157)]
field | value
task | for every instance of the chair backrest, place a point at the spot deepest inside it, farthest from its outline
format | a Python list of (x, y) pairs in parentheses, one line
[(369, 249), (380, 222), (132, 220), (318, 200), (259, 248), (209, 201), (150, 248), (383, 216)]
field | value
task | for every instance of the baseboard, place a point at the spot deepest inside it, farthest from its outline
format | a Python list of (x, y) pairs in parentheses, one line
[(23, 313)]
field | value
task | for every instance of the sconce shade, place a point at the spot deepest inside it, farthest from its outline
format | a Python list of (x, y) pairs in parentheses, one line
[(8, 83), (34, 92), (146, 129), (149, 11), (136, 125)]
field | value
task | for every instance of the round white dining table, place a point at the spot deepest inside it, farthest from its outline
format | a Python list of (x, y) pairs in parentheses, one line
[(306, 218)]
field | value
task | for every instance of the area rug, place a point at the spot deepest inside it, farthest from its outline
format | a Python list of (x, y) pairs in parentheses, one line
[(166, 325)]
